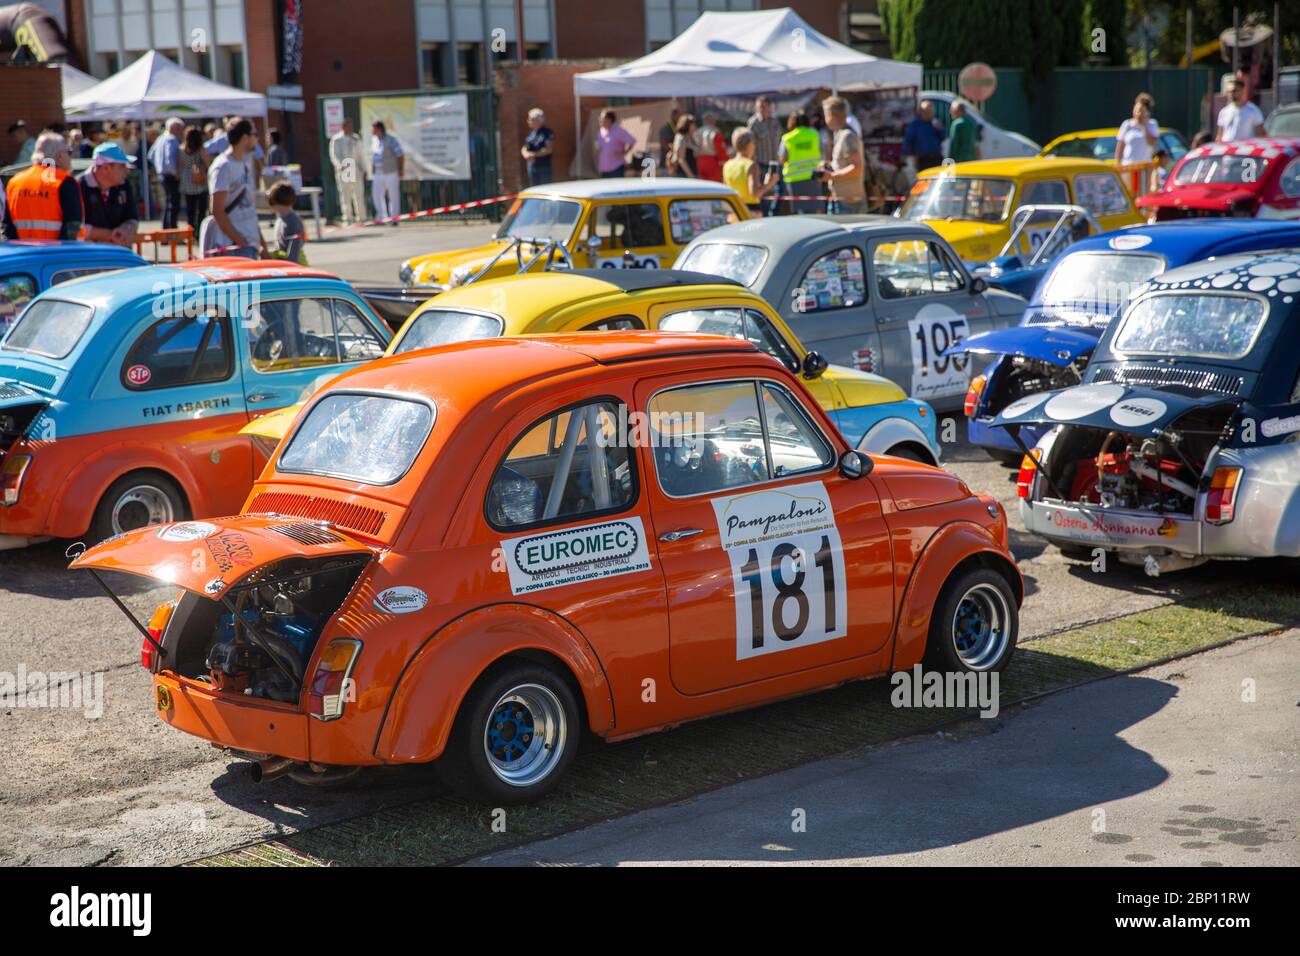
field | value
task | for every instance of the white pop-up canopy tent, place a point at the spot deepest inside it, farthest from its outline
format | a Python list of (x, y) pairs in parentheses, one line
[(759, 52), (75, 81), (154, 87)]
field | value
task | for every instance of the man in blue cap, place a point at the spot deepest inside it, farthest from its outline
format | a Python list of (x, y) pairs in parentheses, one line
[(107, 198)]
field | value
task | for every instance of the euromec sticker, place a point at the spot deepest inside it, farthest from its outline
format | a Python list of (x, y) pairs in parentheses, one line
[(787, 568), (558, 558), (401, 600), (187, 531)]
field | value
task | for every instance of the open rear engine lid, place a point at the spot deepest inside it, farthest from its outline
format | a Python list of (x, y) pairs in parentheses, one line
[(210, 557), (1109, 405)]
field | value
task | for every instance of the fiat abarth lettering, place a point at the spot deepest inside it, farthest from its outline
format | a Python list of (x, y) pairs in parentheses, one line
[(461, 555)]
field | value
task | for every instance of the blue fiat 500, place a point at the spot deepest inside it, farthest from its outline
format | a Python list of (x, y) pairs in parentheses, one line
[(30, 266), (1075, 302)]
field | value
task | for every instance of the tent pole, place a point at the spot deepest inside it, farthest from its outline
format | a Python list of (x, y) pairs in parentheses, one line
[(577, 131), (144, 169)]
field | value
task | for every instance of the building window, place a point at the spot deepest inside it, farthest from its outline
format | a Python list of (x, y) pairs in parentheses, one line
[(234, 65), (469, 64), (665, 19), (431, 65)]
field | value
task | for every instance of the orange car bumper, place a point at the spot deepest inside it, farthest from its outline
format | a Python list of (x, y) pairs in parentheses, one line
[(259, 727)]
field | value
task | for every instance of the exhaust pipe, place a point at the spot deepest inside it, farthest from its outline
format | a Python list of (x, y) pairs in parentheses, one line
[(264, 771)]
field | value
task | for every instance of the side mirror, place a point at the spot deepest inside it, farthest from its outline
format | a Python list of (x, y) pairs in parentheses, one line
[(814, 365), (978, 284), (854, 465), (594, 244)]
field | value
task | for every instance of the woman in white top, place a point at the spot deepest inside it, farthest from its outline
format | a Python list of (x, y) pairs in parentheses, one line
[(1139, 136)]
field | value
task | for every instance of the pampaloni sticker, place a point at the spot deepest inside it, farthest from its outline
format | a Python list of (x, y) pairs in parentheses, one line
[(557, 558), (787, 566)]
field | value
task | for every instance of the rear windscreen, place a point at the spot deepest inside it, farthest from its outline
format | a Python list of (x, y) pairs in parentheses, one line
[(1208, 325), (49, 327), (368, 438)]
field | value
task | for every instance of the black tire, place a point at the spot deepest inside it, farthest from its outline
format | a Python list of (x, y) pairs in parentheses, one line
[(941, 647), (152, 483), (465, 766), (909, 452), (1007, 459)]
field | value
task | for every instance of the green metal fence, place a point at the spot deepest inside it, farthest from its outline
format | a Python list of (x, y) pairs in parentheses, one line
[(1071, 99), (485, 166)]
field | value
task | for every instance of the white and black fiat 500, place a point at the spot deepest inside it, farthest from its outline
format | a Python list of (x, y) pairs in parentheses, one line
[(1183, 442)]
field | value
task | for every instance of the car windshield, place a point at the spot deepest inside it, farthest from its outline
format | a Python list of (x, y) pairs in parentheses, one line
[(1097, 283), (445, 326), (368, 438), (533, 217), (49, 327), (959, 197), (1221, 169), (1092, 147), (1211, 325), (731, 260)]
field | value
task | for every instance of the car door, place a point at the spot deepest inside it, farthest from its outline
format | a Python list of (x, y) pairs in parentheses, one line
[(180, 380), (924, 306), (631, 235), (742, 322), (1103, 195), (688, 218), (827, 305), (293, 343), (773, 563)]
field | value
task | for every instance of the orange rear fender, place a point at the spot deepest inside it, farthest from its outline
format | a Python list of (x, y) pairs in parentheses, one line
[(74, 505), (435, 681), (948, 547)]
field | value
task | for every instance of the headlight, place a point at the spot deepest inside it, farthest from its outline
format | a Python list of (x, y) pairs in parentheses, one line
[(404, 274)]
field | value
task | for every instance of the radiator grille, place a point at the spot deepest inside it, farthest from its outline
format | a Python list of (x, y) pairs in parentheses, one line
[(9, 390), (356, 517), (1163, 375)]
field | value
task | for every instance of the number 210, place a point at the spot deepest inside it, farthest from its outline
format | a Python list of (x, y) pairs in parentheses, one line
[(752, 574)]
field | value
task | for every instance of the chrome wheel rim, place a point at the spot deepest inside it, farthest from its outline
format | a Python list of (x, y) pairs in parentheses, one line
[(525, 735), (140, 506), (981, 627)]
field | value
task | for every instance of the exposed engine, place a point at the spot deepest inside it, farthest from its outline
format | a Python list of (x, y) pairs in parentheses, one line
[(258, 640), (1022, 376)]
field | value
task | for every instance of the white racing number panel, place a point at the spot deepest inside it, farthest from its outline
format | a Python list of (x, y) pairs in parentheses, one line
[(638, 262), (553, 559), (787, 567), (935, 375)]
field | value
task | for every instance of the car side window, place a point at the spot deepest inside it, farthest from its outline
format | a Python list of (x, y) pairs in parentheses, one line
[(721, 435), (836, 280), (901, 268), (1289, 181), (16, 290), (358, 340), (1173, 144), (736, 323), (1044, 192), (628, 225), (615, 323), (288, 334), (945, 274), (179, 350), (1100, 193), (572, 464), (691, 217), (67, 275)]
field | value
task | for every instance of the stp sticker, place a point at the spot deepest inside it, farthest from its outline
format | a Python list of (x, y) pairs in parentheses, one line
[(138, 374), (539, 561), (187, 531), (401, 600), (787, 568)]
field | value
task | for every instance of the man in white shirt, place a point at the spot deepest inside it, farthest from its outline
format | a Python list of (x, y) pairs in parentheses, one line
[(1240, 119), (387, 164), (348, 160)]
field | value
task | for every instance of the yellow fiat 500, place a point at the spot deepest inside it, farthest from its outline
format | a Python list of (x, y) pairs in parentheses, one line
[(873, 413), (589, 223), (1100, 144), (970, 204)]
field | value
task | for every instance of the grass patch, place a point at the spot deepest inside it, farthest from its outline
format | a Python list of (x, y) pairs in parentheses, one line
[(613, 780)]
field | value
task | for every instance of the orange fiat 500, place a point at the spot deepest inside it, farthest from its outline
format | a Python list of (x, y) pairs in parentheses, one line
[(473, 554)]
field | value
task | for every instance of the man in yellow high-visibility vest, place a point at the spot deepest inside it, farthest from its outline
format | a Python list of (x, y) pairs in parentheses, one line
[(801, 161)]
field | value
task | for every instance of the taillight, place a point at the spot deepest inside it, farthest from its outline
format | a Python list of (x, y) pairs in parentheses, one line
[(973, 395), (1220, 503), (11, 478), (331, 684), (162, 616), (1025, 480)]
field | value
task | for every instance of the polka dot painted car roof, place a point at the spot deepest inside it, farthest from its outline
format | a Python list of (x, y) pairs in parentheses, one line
[(1272, 274)]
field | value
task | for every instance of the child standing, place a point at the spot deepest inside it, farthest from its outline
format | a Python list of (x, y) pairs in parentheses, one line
[(290, 235)]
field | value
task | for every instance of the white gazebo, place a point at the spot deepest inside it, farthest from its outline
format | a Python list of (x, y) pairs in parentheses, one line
[(154, 87), (736, 53)]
